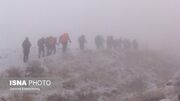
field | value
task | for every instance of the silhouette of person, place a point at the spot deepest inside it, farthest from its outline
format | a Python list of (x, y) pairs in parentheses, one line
[(26, 49)]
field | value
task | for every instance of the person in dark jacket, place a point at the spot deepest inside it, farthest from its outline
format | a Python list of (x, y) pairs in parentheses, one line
[(41, 47), (54, 45), (109, 42), (99, 41), (82, 41), (135, 44), (127, 44), (48, 46), (120, 43), (26, 49)]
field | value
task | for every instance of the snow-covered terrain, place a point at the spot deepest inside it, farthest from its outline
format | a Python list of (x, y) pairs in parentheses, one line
[(101, 75)]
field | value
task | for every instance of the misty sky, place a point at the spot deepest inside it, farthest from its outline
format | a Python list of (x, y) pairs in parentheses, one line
[(150, 21)]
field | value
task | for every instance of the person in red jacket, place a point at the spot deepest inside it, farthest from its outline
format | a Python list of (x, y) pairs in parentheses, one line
[(64, 40)]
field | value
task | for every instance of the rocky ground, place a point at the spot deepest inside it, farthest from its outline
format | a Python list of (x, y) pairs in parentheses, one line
[(104, 75)]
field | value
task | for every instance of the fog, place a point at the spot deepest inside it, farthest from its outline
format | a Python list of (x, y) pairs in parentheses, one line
[(118, 73), (154, 23)]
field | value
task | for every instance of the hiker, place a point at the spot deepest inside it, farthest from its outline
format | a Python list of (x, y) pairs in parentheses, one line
[(135, 45), (41, 47), (126, 44), (54, 43), (119, 41), (109, 42), (99, 41), (51, 45), (64, 40), (26, 49), (115, 43), (82, 41), (47, 43)]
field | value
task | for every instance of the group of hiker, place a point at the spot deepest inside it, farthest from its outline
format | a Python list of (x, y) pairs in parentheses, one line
[(50, 44), (47, 46), (112, 43)]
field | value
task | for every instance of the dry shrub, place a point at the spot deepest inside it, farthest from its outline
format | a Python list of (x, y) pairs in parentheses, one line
[(26, 97), (14, 72), (54, 97), (20, 97), (65, 73), (3, 99), (153, 98), (78, 96), (100, 76), (152, 95), (15, 97), (88, 96), (35, 69), (137, 84), (58, 97), (71, 84)]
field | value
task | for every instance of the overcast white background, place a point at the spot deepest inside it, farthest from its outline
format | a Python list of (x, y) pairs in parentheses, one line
[(154, 22)]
